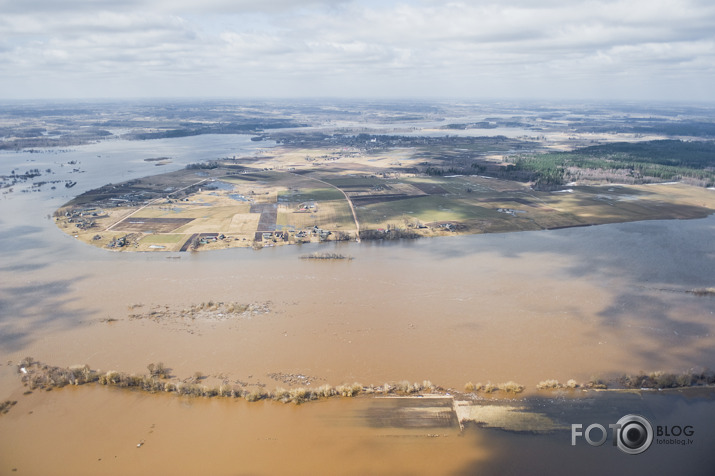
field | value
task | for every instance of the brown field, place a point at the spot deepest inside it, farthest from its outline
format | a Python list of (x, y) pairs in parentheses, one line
[(430, 188), (151, 225)]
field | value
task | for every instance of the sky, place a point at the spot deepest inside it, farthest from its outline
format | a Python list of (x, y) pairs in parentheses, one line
[(484, 49)]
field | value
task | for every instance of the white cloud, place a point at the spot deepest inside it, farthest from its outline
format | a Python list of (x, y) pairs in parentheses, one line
[(300, 47)]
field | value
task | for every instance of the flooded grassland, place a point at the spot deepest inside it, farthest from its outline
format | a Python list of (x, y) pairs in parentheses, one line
[(579, 303)]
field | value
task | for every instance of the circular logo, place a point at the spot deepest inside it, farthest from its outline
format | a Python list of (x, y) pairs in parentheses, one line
[(634, 434)]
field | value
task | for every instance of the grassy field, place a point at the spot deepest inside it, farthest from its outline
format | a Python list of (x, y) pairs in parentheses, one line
[(297, 196), (331, 215), (164, 238), (426, 209)]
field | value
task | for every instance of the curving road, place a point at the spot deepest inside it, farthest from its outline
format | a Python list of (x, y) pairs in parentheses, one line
[(352, 208)]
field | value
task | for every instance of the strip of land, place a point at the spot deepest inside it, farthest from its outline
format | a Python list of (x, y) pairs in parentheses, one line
[(300, 195)]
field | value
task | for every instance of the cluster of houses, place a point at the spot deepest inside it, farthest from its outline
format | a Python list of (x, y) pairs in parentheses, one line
[(205, 240), (275, 236), (322, 234), (131, 198), (84, 218), (509, 211), (84, 212), (315, 231), (448, 226), (118, 242), (307, 207)]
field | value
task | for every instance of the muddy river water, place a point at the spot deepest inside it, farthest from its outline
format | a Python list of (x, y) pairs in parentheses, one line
[(575, 303)]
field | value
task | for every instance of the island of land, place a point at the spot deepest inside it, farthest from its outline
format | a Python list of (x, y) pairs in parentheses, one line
[(340, 187)]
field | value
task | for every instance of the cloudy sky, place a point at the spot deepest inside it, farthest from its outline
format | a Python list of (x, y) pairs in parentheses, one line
[(482, 49)]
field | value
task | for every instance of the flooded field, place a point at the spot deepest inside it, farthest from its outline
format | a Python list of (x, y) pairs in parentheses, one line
[(561, 304)]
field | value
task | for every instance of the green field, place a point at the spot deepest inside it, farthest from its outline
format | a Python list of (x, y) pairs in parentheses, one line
[(164, 238), (426, 209)]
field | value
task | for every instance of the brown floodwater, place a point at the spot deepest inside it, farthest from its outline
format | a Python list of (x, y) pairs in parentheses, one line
[(97, 430), (526, 307)]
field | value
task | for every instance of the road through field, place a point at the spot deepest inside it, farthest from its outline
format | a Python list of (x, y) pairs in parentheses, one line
[(352, 208), (151, 202)]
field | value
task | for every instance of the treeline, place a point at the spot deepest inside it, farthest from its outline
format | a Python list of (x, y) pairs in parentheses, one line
[(328, 256), (643, 162), (251, 127), (203, 165), (36, 375), (677, 153), (471, 125), (364, 140), (39, 376)]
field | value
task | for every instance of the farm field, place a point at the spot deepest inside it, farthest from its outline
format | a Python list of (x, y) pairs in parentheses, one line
[(300, 196)]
